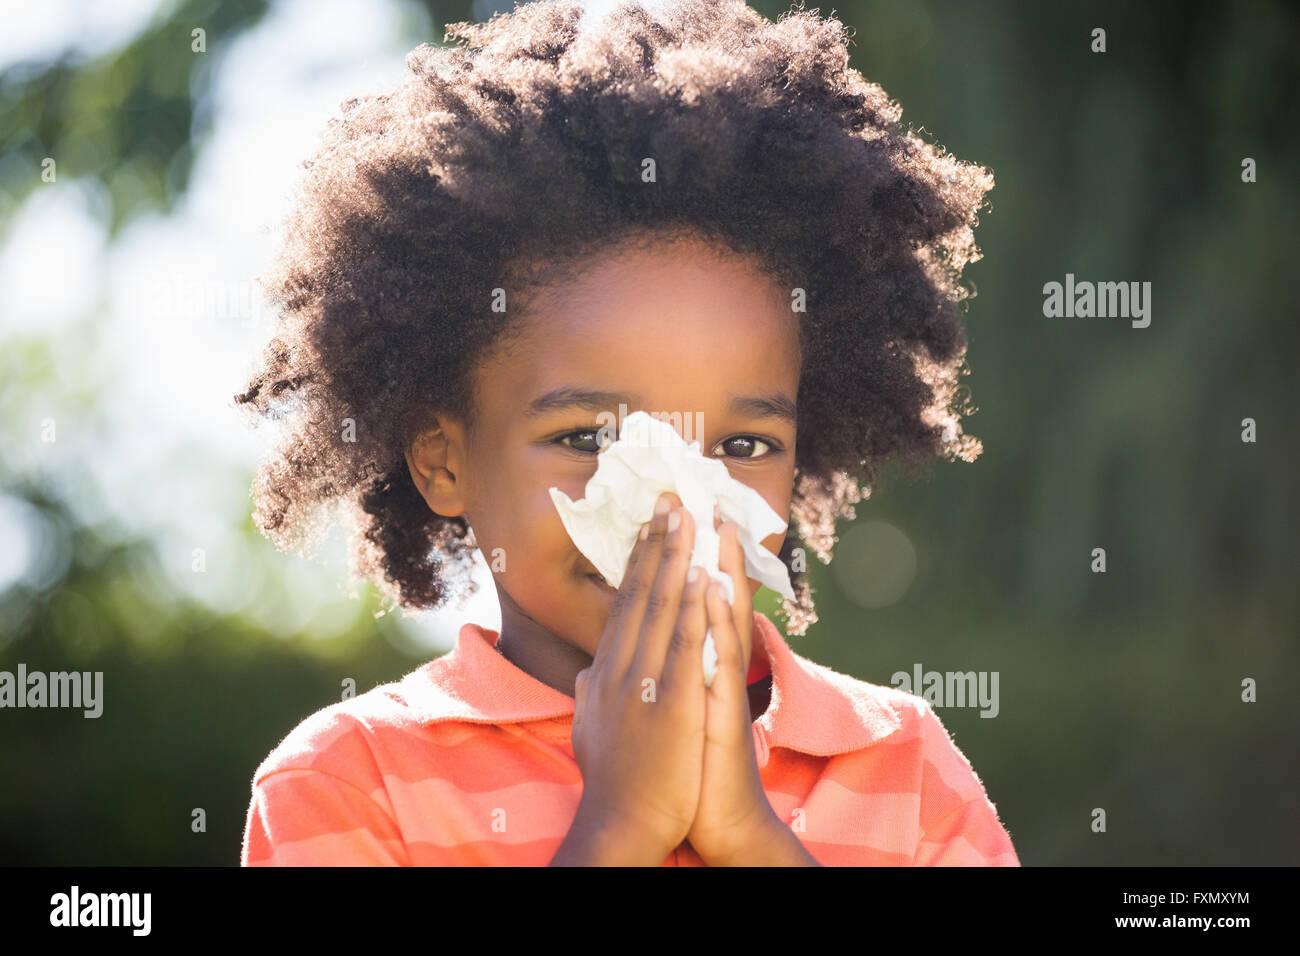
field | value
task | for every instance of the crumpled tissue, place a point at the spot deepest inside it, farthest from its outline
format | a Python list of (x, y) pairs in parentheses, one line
[(648, 459)]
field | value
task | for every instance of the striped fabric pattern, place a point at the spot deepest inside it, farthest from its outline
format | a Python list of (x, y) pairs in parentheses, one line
[(468, 761)]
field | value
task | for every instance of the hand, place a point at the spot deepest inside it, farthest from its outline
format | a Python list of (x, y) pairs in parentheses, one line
[(638, 744), (733, 813)]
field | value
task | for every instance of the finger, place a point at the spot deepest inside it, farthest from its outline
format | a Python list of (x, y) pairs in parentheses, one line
[(683, 665), (618, 642), (664, 603), (580, 697), (729, 682), (731, 561), (641, 547)]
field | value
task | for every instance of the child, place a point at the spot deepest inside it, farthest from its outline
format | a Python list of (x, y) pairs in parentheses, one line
[(568, 218)]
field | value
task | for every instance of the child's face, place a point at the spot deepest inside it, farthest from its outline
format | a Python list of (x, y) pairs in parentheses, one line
[(675, 329)]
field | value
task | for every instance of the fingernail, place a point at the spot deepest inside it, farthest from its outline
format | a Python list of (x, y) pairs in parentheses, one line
[(674, 521), (692, 574), (662, 505), (645, 532)]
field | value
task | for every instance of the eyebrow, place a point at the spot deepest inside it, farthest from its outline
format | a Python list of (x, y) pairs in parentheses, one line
[(776, 405)]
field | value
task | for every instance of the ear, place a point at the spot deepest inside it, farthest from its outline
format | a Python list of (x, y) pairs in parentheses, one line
[(436, 460)]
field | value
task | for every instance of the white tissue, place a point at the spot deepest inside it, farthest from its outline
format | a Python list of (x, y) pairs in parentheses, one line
[(648, 459)]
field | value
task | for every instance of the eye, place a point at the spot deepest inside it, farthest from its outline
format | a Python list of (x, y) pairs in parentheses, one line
[(744, 445), (590, 439), (587, 441)]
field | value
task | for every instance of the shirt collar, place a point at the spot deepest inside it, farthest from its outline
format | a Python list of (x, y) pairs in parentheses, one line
[(813, 709)]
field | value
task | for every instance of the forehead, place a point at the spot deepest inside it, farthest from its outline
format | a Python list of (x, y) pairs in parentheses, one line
[(681, 322)]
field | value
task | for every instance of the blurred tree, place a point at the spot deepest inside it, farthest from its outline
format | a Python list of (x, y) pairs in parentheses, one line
[(133, 118)]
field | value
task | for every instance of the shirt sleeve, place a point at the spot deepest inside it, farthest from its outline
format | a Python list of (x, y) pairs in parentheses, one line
[(959, 824), (313, 818)]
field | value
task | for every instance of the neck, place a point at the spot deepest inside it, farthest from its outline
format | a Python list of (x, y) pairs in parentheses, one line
[(536, 651), (555, 662)]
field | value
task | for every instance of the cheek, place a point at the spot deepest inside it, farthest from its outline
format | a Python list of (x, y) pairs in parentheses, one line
[(520, 532), (569, 479), (777, 496), (539, 533)]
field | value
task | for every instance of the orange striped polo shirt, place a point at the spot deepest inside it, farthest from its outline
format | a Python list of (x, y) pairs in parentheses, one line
[(468, 761)]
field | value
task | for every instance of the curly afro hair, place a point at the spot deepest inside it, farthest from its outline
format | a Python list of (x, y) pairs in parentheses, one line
[(510, 154)]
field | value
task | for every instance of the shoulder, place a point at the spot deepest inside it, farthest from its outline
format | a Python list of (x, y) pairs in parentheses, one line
[(343, 738), (910, 711), (956, 822), (827, 712), (922, 755), (910, 721), (871, 714)]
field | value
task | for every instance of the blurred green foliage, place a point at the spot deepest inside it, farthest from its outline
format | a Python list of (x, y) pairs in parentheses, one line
[(1118, 690), (134, 118), (192, 700)]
